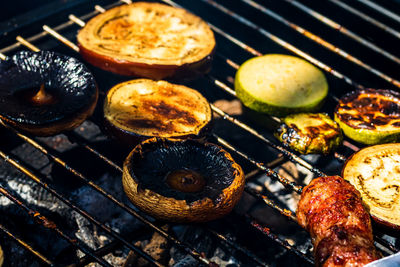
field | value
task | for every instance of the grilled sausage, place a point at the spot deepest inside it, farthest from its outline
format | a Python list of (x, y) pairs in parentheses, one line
[(332, 211)]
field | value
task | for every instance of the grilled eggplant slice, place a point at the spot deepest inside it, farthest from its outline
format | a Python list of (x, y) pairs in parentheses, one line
[(139, 109), (149, 40), (370, 116), (310, 133), (280, 85), (182, 181), (374, 171), (45, 93)]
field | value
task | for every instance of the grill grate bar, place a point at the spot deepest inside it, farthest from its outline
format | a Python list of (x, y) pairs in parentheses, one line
[(60, 27), (232, 244), (343, 30), (322, 42), (218, 83), (267, 232), (237, 247), (290, 215), (59, 161), (69, 44), (283, 43), (287, 153), (291, 156), (26, 246), (367, 18), (50, 189), (42, 220), (284, 181), (381, 9)]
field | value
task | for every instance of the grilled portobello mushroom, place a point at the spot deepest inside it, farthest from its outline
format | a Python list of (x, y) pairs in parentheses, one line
[(374, 171), (149, 40), (182, 181), (45, 93), (370, 116), (310, 133), (280, 85), (139, 109)]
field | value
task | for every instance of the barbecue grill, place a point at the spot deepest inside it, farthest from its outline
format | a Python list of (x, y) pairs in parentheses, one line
[(61, 195)]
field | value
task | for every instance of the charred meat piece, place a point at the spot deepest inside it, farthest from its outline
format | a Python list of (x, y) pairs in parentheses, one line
[(332, 211), (370, 116), (310, 133)]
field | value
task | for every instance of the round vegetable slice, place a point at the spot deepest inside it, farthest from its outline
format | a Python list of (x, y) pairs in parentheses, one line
[(139, 109), (375, 172), (280, 85), (370, 116), (148, 40), (310, 133)]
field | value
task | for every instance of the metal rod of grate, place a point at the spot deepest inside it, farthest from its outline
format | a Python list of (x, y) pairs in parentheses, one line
[(68, 43), (381, 9), (186, 247), (272, 37), (322, 42), (53, 191), (344, 30), (247, 48), (269, 171), (48, 224), (26, 246), (366, 18)]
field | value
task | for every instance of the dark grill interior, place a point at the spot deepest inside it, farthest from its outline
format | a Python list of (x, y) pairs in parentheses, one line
[(62, 200)]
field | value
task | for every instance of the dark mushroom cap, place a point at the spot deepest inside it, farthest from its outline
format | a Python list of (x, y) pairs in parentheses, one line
[(67, 80), (150, 163)]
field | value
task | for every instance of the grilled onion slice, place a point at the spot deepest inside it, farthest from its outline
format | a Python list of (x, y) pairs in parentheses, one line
[(182, 181), (375, 172), (142, 108), (148, 40), (310, 133), (370, 116)]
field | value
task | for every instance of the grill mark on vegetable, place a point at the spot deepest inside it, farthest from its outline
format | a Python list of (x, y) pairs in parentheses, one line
[(371, 111)]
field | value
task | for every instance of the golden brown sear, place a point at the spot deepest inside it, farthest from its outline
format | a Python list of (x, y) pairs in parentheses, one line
[(332, 211), (146, 108), (149, 40)]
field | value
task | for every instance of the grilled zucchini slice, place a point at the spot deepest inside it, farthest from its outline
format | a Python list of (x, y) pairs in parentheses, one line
[(280, 85), (310, 133), (370, 116), (375, 172)]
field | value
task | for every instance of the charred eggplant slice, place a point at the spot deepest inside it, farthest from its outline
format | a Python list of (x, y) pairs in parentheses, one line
[(370, 116), (375, 173), (310, 133), (139, 109), (182, 181), (149, 40), (45, 93)]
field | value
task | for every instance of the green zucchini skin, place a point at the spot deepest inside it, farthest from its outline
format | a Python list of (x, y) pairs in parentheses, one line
[(310, 133), (370, 116), (279, 85)]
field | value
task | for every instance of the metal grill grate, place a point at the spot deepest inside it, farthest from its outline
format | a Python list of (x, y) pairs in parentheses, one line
[(243, 29)]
